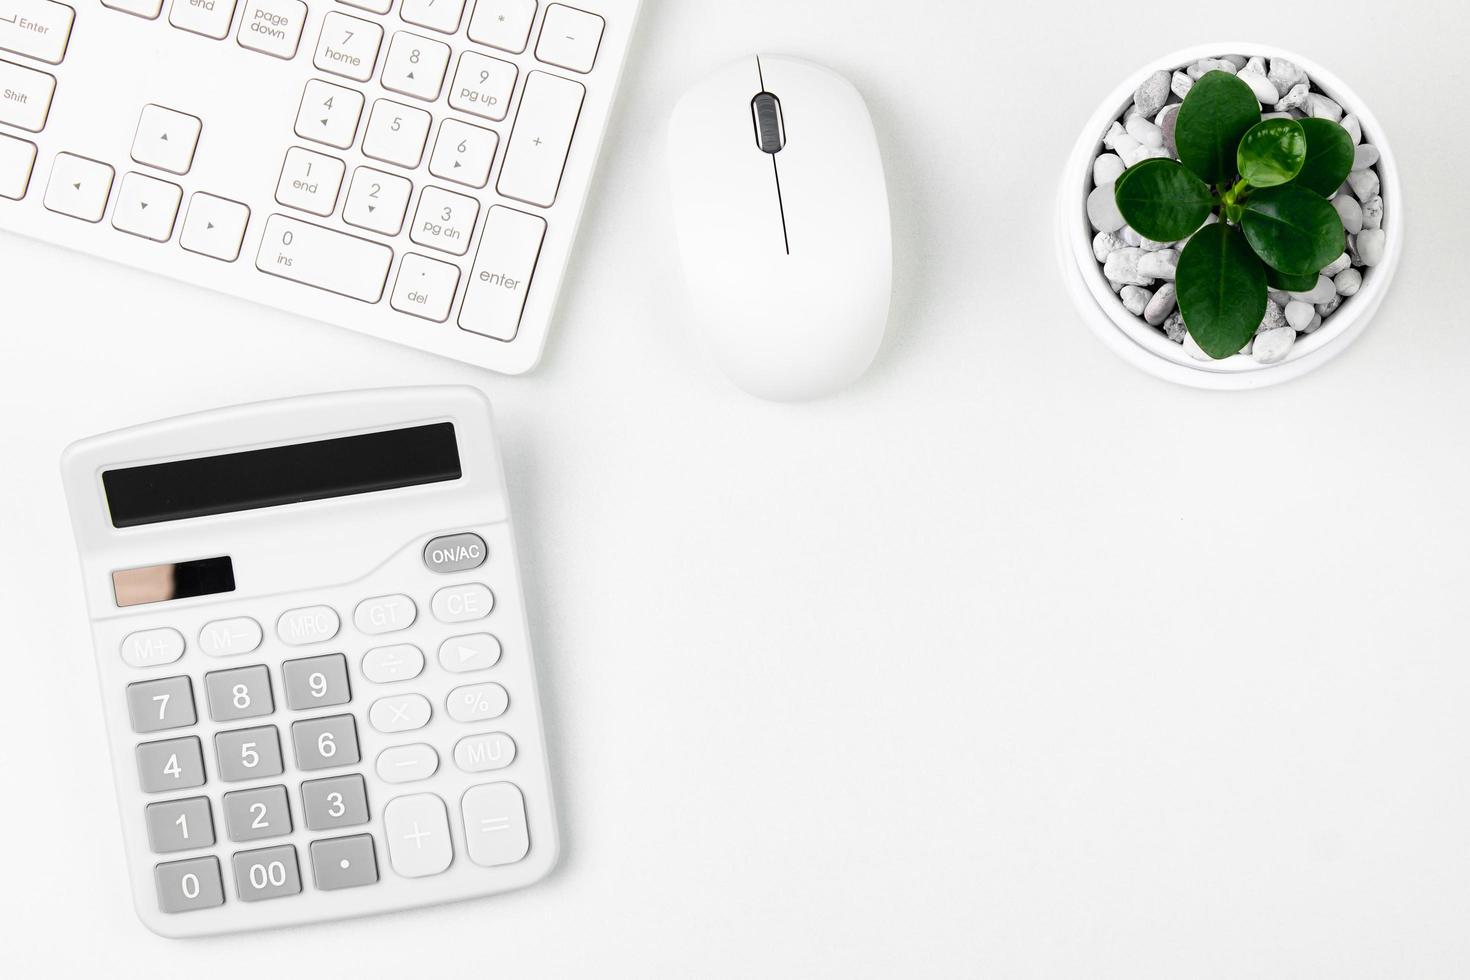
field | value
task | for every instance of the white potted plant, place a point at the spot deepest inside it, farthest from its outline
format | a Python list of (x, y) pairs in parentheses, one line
[(1230, 218)]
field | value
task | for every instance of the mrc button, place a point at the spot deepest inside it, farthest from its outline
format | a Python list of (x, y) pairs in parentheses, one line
[(455, 553)]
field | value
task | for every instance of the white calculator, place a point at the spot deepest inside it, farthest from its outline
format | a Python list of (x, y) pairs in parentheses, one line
[(316, 670)]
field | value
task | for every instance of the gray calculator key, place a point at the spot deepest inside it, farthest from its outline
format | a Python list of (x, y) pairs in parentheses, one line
[(169, 765), (455, 553), (316, 682), (339, 801), (270, 872), (179, 825), (184, 886), (156, 706), (244, 692), (253, 814), (323, 743), (344, 862), (248, 753)]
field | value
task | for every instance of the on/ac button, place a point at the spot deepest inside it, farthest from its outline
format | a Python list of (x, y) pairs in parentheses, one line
[(455, 553)]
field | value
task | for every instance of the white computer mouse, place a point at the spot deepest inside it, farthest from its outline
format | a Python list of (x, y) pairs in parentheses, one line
[(782, 215)]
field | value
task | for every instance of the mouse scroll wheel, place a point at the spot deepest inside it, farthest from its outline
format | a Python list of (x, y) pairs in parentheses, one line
[(770, 127)]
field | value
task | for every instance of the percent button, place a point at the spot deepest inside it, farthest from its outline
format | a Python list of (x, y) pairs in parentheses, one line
[(477, 702)]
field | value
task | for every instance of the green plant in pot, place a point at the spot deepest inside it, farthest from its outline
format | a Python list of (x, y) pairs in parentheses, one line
[(1267, 181)]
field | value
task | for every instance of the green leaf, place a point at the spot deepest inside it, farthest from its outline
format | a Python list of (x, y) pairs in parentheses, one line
[(1222, 290), (1291, 284), (1163, 201), (1329, 157), (1293, 230), (1272, 152), (1216, 114)]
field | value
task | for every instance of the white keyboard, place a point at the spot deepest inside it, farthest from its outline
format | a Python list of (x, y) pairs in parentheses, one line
[(411, 169)]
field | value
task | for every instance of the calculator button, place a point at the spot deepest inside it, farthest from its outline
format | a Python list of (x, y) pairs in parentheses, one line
[(344, 862), (329, 114), (244, 692), (230, 637), (482, 753), (322, 743), (455, 553), (463, 654), (251, 814), (407, 763), (462, 603), (569, 38), (495, 824), (214, 226), (402, 713), (156, 706), (477, 702), (248, 753), (179, 825), (503, 24), (425, 287), (348, 46), (173, 764), (339, 801), (152, 648), (386, 665), (416, 829), (315, 624), (385, 614), (167, 139), (316, 682), (184, 886), (270, 872)]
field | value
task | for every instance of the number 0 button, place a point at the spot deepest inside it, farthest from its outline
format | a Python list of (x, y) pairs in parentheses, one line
[(184, 886)]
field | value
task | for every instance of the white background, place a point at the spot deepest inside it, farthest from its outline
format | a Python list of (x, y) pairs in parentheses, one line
[(1010, 661)]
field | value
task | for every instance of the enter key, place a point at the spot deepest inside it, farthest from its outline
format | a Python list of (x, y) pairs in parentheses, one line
[(496, 295), (36, 29)]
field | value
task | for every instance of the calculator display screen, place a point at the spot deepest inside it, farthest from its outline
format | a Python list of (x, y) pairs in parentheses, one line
[(257, 478), (177, 580)]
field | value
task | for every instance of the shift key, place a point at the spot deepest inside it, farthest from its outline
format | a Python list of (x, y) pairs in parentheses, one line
[(509, 247), (36, 28), (326, 259), (25, 96)]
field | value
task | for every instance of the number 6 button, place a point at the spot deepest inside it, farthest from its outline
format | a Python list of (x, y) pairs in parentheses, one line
[(322, 743)]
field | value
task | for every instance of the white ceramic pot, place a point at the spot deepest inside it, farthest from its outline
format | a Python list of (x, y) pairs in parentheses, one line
[(1147, 347)]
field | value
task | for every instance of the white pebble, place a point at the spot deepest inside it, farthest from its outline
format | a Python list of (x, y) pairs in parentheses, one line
[(1135, 299), (1354, 126), (1321, 293), (1373, 213), (1145, 132), (1274, 319), (1285, 75), (1350, 211), (1105, 244), (1315, 325), (1328, 308), (1130, 237), (1365, 156), (1299, 314), (1102, 209), (1180, 84), (1272, 346), (1174, 327), (1365, 184), (1321, 107), (1294, 99), (1348, 282), (1202, 68), (1371, 246), (1343, 261), (1159, 265), (1107, 168), (1194, 350), (1264, 91), (1122, 267), (1255, 64), (1153, 93), (1162, 305), (1133, 153)]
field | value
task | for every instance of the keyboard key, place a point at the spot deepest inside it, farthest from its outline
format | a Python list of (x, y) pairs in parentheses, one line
[(152, 648), (215, 226), (484, 753), (244, 692), (36, 28), (437, 15), (147, 9), (314, 624), (322, 743), (425, 288), (166, 139), (503, 24), (254, 814), (248, 753), (17, 159), (310, 181), (477, 702), (147, 207), (156, 706), (495, 824), (444, 220), (329, 114), (464, 654), (401, 713), (272, 27), (569, 38), (348, 46), (396, 133), (384, 614), (339, 801), (463, 153), (325, 259), (316, 682), (186, 886), (270, 872), (376, 6), (407, 763), (416, 829), (27, 96), (179, 825), (510, 244), (402, 662), (344, 862), (483, 85), (451, 553), (377, 201), (537, 152), (462, 603), (415, 66), (173, 764), (228, 637), (210, 18)]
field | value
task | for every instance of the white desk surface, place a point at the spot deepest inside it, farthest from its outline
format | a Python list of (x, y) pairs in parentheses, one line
[(1009, 662)]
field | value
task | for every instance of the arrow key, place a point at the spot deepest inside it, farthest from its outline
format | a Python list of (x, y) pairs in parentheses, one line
[(377, 201), (166, 139), (463, 153), (415, 66), (147, 207), (79, 187), (329, 114), (215, 226), (463, 654)]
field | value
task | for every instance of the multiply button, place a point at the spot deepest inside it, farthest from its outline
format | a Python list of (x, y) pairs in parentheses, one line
[(230, 637), (402, 713), (417, 831), (455, 553), (385, 614), (495, 824), (314, 624), (150, 648), (462, 603)]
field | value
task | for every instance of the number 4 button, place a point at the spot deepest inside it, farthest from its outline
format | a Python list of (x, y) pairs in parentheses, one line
[(329, 114)]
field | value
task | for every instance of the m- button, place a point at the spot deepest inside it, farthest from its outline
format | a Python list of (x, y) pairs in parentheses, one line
[(314, 624), (455, 553), (230, 637)]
